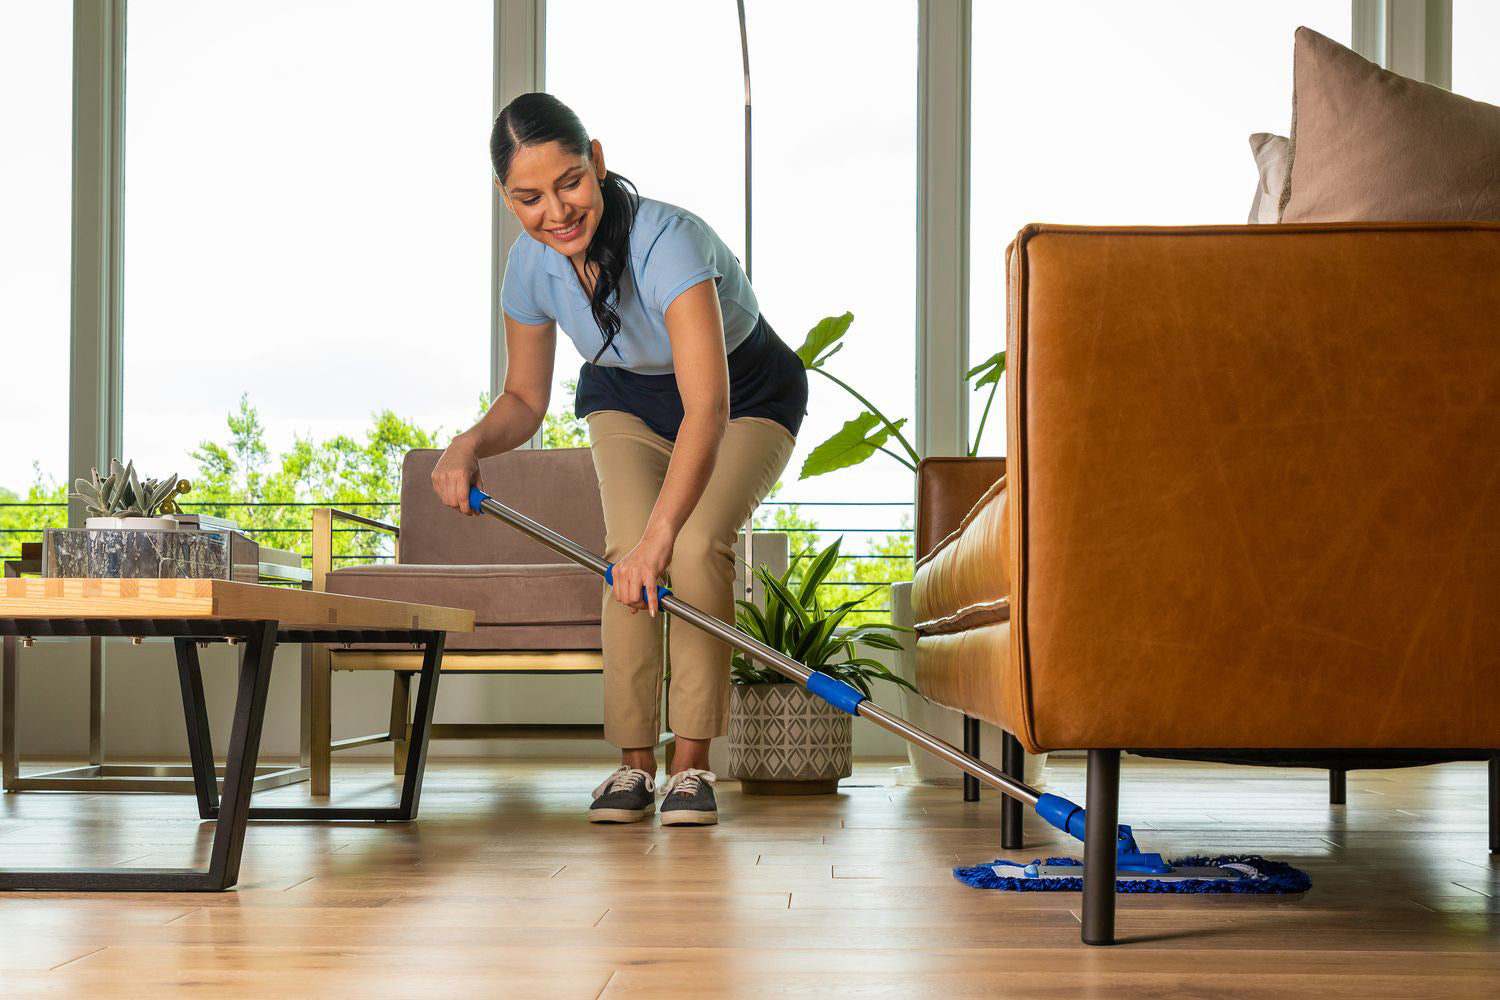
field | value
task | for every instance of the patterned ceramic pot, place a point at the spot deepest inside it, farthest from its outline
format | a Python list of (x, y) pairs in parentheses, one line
[(784, 741)]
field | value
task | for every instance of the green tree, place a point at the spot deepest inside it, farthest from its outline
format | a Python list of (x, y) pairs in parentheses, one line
[(23, 517), (887, 559), (237, 479)]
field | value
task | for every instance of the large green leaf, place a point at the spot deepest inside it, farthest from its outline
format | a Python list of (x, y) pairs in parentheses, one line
[(785, 599), (821, 337), (992, 368), (751, 621), (821, 565), (856, 441)]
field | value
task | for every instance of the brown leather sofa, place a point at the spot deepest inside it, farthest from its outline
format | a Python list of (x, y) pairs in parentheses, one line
[(1251, 501)]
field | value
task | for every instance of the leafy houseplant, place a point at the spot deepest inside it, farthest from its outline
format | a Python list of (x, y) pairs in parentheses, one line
[(121, 500), (783, 740), (872, 430)]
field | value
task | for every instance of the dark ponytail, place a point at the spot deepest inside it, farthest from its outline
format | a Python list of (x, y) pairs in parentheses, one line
[(532, 119)]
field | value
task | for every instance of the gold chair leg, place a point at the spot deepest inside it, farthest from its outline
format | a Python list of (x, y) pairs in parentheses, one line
[(400, 717)]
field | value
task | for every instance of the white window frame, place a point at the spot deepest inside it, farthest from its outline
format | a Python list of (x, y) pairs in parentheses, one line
[(1412, 37)]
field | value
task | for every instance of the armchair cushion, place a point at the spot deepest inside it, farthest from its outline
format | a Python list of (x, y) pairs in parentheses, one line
[(499, 595)]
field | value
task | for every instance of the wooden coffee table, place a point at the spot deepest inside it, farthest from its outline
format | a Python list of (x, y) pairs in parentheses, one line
[(258, 617)]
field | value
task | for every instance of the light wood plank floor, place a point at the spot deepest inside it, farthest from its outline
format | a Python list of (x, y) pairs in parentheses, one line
[(503, 890)]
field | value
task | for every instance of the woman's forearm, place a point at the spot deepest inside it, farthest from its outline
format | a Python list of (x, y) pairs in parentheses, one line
[(693, 456), (507, 424)]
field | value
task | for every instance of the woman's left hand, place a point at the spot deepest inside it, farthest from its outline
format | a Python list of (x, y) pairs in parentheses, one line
[(641, 569)]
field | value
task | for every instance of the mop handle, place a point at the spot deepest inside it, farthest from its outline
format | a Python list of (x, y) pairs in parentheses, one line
[(609, 578), (842, 696)]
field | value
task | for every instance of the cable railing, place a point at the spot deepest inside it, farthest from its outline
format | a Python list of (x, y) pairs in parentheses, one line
[(299, 529)]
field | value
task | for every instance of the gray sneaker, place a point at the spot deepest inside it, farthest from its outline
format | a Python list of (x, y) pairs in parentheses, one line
[(688, 799), (627, 796)]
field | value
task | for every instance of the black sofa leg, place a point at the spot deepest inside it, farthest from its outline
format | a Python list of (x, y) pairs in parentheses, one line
[(1013, 763), (971, 747), (1338, 786), (1495, 804), (1100, 837)]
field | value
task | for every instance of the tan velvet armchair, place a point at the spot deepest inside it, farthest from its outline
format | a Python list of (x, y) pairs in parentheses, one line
[(535, 612)]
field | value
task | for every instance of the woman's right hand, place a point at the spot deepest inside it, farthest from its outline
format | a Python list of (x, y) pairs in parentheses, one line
[(456, 471)]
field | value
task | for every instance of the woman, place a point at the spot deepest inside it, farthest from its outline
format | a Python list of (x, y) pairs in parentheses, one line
[(693, 405)]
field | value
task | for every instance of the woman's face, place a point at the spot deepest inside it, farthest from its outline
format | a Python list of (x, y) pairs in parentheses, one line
[(556, 195)]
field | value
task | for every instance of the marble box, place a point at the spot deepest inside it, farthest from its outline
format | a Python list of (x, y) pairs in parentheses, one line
[(150, 554)]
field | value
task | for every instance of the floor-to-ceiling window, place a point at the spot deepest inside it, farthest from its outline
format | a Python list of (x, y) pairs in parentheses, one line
[(1102, 112), (1476, 49), (834, 143), (307, 227), (36, 93)]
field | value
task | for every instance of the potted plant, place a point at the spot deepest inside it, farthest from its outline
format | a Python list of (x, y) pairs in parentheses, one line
[(783, 740), (121, 500), (872, 430)]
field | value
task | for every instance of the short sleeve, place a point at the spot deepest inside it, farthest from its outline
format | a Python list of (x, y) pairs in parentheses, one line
[(517, 290), (682, 255)]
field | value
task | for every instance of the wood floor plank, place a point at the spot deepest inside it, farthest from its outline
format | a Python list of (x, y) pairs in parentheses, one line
[(503, 889)]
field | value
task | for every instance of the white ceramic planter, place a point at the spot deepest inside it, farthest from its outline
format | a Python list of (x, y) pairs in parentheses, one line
[(784, 741), (131, 523)]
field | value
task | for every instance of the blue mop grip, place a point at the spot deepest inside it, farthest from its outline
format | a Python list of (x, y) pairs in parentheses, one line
[(1071, 818), (842, 696), (476, 497), (609, 578)]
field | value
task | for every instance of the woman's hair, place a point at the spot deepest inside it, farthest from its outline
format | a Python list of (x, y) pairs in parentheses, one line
[(532, 119)]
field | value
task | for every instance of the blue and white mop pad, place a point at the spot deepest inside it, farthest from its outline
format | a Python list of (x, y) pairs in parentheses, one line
[(1229, 873)]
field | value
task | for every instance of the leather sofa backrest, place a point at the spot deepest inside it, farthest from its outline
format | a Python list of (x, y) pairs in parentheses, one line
[(1255, 480)]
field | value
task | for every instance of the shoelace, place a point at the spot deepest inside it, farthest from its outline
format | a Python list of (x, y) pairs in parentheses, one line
[(687, 781), (624, 779)]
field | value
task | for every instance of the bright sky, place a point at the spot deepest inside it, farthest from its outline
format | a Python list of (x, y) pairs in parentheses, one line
[(307, 213)]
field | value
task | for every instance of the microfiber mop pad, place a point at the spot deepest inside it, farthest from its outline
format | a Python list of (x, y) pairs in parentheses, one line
[(1268, 877)]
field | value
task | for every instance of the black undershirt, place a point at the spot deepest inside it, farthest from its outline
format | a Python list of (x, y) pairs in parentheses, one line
[(766, 379)]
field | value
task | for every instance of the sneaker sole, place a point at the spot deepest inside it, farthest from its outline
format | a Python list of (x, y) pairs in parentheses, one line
[(689, 817), (620, 815)]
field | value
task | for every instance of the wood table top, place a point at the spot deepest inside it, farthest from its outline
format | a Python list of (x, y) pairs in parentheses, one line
[(219, 599)]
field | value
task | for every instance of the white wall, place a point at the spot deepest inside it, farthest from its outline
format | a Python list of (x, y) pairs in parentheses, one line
[(143, 705)]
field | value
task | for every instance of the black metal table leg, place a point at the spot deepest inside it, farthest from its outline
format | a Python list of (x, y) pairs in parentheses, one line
[(244, 747), (1012, 822), (416, 763), (195, 711), (1100, 837), (229, 837), (971, 747)]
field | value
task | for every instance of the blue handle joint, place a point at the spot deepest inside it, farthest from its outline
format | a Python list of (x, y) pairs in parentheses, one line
[(842, 696), (476, 497), (609, 578), (1070, 818)]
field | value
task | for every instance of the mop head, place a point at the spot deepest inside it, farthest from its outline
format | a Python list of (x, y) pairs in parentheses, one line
[(1264, 877)]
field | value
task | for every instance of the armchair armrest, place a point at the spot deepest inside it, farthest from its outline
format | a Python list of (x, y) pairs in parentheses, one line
[(947, 489), (322, 539)]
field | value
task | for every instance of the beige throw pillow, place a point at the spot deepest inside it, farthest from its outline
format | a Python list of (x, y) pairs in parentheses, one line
[(1368, 144), (1272, 158)]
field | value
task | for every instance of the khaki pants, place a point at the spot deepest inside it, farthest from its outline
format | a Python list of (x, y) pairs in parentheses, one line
[(631, 460)]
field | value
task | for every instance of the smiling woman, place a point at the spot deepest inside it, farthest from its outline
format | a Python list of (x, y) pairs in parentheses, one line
[(693, 404)]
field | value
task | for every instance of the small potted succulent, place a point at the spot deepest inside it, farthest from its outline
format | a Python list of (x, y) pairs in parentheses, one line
[(783, 740), (122, 500)]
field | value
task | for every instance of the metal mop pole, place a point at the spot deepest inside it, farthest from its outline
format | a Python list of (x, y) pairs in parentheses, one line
[(832, 690), (1060, 812)]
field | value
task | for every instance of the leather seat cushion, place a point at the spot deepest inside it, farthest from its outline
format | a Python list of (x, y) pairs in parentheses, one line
[(964, 582)]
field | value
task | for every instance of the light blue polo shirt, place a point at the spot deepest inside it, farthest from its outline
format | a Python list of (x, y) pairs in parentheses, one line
[(671, 250)]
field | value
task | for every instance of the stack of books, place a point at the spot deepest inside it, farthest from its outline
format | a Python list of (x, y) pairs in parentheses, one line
[(205, 522)]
